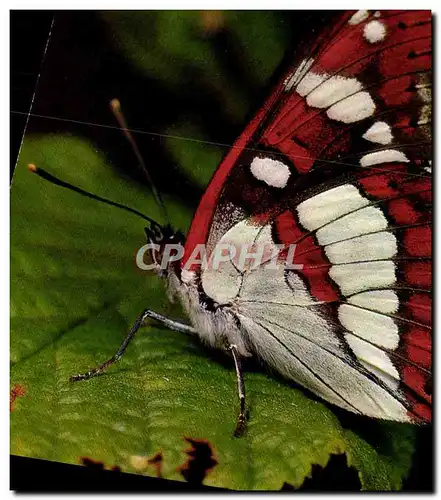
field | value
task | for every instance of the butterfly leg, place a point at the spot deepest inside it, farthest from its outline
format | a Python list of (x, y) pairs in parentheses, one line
[(177, 326), (241, 420), (173, 325)]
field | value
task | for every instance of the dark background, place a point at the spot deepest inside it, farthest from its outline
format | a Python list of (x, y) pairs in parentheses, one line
[(110, 76)]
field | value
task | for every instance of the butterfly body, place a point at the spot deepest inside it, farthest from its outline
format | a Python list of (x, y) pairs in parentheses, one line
[(335, 163), (216, 325)]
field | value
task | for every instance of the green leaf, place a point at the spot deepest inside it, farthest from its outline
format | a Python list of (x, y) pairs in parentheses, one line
[(75, 291)]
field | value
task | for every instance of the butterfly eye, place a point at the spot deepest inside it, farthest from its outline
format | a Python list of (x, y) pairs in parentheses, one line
[(149, 234), (157, 231), (154, 233)]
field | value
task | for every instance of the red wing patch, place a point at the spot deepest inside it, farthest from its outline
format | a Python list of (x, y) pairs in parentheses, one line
[(309, 255)]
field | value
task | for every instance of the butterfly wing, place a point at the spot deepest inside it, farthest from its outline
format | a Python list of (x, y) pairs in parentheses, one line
[(337, 162)]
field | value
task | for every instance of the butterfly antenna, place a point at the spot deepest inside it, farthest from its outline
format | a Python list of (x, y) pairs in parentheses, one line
[(54, 180), (115, 106)]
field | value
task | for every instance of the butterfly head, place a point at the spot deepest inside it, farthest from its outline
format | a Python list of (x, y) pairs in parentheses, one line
[(165, 246)]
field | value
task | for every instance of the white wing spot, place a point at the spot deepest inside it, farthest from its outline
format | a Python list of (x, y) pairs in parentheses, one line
[(358, 17), (352, 278), (329, 205), (298, 74), (429, 167), (425, 115), (385, 156), (380, 133), (309, 82), (375, 360), (362, 221), (352, 109), (354, 238), (343, 96), (273, 172), (370, 325), (333, 90), (374, 32), (367, 247), (385, 301), (221, 284)]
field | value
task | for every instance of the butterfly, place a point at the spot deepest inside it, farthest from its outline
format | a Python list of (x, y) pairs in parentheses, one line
[(337, 163)]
